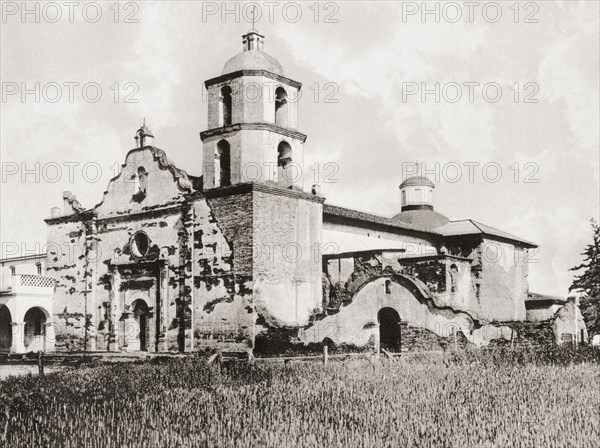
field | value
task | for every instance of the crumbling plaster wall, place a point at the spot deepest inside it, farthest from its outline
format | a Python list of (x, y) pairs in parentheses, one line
[(113, 249), (569, 325), (441, 300), (224, 306), (357, 322), (189, 265)]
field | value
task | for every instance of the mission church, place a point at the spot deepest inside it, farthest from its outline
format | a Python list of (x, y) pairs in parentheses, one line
[(168, 261)]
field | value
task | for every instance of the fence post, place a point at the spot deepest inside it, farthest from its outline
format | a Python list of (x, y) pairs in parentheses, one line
[(41, 363), (454, 337), (325, 354)]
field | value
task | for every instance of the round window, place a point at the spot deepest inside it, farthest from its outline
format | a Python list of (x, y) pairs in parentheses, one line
[(140, 244)]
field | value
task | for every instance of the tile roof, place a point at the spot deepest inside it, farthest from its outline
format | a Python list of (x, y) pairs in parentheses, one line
[(355, 215), (534, 297), (427, 219), (471, 227)]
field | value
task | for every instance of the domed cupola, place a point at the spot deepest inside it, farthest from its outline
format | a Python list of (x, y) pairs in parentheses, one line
[(417, 193), (417, 203), (253, 57)]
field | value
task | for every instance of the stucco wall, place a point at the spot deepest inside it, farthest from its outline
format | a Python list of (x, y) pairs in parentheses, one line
[(349, 237), (253, 155), (162, 186), (287, 257), (253, 101), (21, 266), (504, 285)]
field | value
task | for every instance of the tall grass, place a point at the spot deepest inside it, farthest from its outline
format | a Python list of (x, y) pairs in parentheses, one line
[(465, 399)]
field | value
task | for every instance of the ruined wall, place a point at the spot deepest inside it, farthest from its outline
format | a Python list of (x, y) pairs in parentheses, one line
[(356, 322), (434, 297), (449, 279), (504, 286), (416, 338), (537, 312), (569, 325), (67, 264), (529, 334), (287, 255)]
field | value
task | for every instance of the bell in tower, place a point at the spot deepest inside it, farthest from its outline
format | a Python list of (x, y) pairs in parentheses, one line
[(252, 131)]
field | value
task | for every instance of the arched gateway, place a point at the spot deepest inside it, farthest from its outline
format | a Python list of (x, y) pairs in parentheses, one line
[(5, 329), (35, 329), (390, 336)]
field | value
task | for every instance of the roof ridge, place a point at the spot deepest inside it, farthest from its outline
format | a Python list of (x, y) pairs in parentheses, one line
[(383, 219), (477, 224)]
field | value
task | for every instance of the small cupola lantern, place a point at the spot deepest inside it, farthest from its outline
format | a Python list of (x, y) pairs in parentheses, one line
[(143, 136), (417, 193), (253, 40)]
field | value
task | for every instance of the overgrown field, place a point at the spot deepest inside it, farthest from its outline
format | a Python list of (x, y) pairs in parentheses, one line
[(481, 399)]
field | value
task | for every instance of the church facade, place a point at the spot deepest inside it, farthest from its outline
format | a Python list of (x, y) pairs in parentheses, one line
[(168, 261)]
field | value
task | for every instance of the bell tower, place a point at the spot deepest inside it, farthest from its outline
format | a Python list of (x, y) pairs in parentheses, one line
[(252, 131)]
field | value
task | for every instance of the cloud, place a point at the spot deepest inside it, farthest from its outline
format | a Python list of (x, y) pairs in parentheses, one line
[(154, 63), (569, 71)]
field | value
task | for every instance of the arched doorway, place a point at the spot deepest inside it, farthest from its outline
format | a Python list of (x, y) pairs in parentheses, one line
[(140, 310), (5, 329), (35, 329), (389, 329)]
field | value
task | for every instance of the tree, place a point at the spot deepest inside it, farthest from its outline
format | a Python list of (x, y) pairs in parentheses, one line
[(589, 282)]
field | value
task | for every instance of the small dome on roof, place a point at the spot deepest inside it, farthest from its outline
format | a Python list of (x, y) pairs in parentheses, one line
[(252, 60), (417, 181), (425, 218), (253, 57)]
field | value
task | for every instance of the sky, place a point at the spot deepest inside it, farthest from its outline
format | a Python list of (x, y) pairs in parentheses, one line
[(498, 103)]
